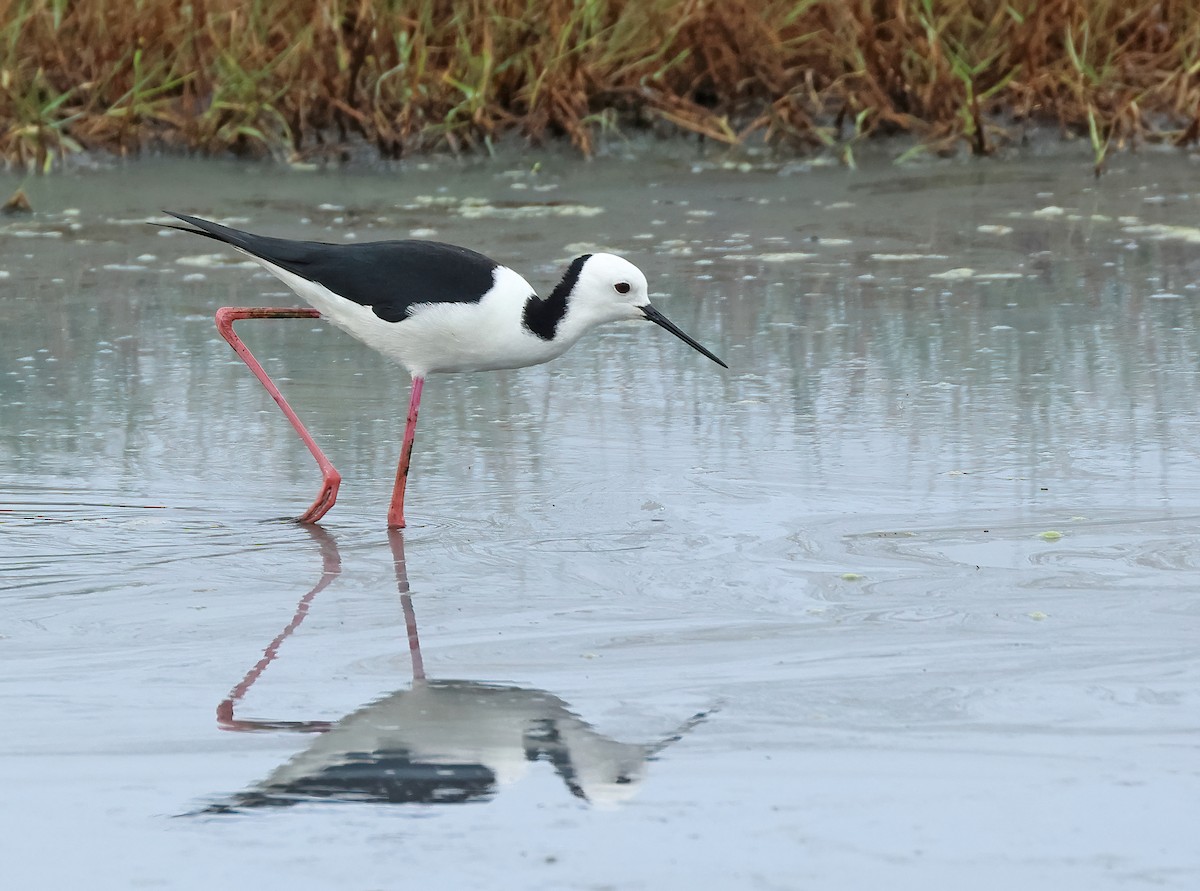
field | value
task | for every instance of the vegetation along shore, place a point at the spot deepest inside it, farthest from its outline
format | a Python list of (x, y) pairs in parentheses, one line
[(309, 80)]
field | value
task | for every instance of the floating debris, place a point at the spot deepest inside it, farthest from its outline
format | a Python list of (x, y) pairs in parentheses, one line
[(18, 203)]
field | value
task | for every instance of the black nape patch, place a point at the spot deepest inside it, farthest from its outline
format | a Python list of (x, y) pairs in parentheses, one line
[(541, 317)]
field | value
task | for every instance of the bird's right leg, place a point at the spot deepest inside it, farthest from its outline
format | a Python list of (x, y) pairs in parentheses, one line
[(331, 479), (396, 510)]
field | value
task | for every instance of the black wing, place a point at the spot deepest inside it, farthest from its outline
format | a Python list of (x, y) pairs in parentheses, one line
[(387, 276)]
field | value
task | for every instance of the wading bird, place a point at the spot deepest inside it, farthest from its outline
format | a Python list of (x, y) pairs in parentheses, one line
[(433, 308)]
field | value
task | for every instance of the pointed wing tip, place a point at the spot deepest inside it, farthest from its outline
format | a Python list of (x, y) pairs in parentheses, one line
[(179, 216)]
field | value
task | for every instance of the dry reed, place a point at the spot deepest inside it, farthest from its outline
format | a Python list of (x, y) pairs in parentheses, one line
[(305, 79)]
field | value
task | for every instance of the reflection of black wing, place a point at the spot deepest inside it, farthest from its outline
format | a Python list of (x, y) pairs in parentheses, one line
[(387, 276), (450, 742), (377, 778)]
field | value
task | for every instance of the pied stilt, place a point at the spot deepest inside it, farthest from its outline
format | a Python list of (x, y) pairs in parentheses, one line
[(433, 308)]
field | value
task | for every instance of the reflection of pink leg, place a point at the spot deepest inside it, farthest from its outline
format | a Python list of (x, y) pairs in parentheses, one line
[(331, 479), (331, 565), (396, 511), (396, 540)]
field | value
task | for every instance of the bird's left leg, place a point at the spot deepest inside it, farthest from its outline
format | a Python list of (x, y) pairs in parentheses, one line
[(396, 511), (330, 478)]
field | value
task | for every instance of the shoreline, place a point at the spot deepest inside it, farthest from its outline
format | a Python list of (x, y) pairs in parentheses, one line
[(1040, 143)]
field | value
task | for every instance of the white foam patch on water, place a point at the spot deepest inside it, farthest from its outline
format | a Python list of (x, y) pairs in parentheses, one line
[(899, 258), (994, 229), (1162, 232), (215, 261), (779, 257), (578, 248), (526, 211), (956, 274)]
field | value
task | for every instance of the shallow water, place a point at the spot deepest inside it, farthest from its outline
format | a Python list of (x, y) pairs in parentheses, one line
[(907, 597)]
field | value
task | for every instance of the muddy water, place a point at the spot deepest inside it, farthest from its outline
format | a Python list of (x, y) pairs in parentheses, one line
[(907, 597)]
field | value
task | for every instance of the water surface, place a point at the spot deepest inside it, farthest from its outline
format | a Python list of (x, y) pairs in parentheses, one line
[(906, 597)]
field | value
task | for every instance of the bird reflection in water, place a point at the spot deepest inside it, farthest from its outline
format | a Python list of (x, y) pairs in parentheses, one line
[(438, 742)]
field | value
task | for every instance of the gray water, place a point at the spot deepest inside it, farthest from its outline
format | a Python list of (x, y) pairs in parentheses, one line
[(906, 598)]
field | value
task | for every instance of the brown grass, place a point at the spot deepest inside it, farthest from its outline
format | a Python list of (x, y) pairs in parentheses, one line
[(307, 79)]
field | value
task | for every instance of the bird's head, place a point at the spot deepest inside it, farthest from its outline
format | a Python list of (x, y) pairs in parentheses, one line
[(608, 288)]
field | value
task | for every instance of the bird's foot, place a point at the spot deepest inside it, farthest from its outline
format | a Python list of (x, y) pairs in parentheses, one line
[(325, 499)]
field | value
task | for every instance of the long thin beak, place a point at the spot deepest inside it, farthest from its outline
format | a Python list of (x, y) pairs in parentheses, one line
[(663, 322)]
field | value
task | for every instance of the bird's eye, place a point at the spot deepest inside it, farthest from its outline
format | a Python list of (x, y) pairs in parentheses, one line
[(622, 287)]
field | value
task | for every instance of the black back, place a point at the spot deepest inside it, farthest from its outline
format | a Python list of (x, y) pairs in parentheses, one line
[(388, 276)]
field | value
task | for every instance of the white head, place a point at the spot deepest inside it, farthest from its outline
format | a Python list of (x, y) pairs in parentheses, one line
[(606, 288)]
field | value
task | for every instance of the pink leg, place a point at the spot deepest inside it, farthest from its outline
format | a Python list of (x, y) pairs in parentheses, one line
[(331, 479), (396, 511)]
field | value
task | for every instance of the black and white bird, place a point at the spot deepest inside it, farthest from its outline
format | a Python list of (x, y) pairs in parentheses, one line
[(433, 308)]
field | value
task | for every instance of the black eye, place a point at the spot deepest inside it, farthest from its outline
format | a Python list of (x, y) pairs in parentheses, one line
[(622, 287)]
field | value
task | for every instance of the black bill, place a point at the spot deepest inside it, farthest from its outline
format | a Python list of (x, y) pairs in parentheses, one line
[(663, 322)]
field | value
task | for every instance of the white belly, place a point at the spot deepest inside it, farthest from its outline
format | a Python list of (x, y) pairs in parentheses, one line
[(439, 337)]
